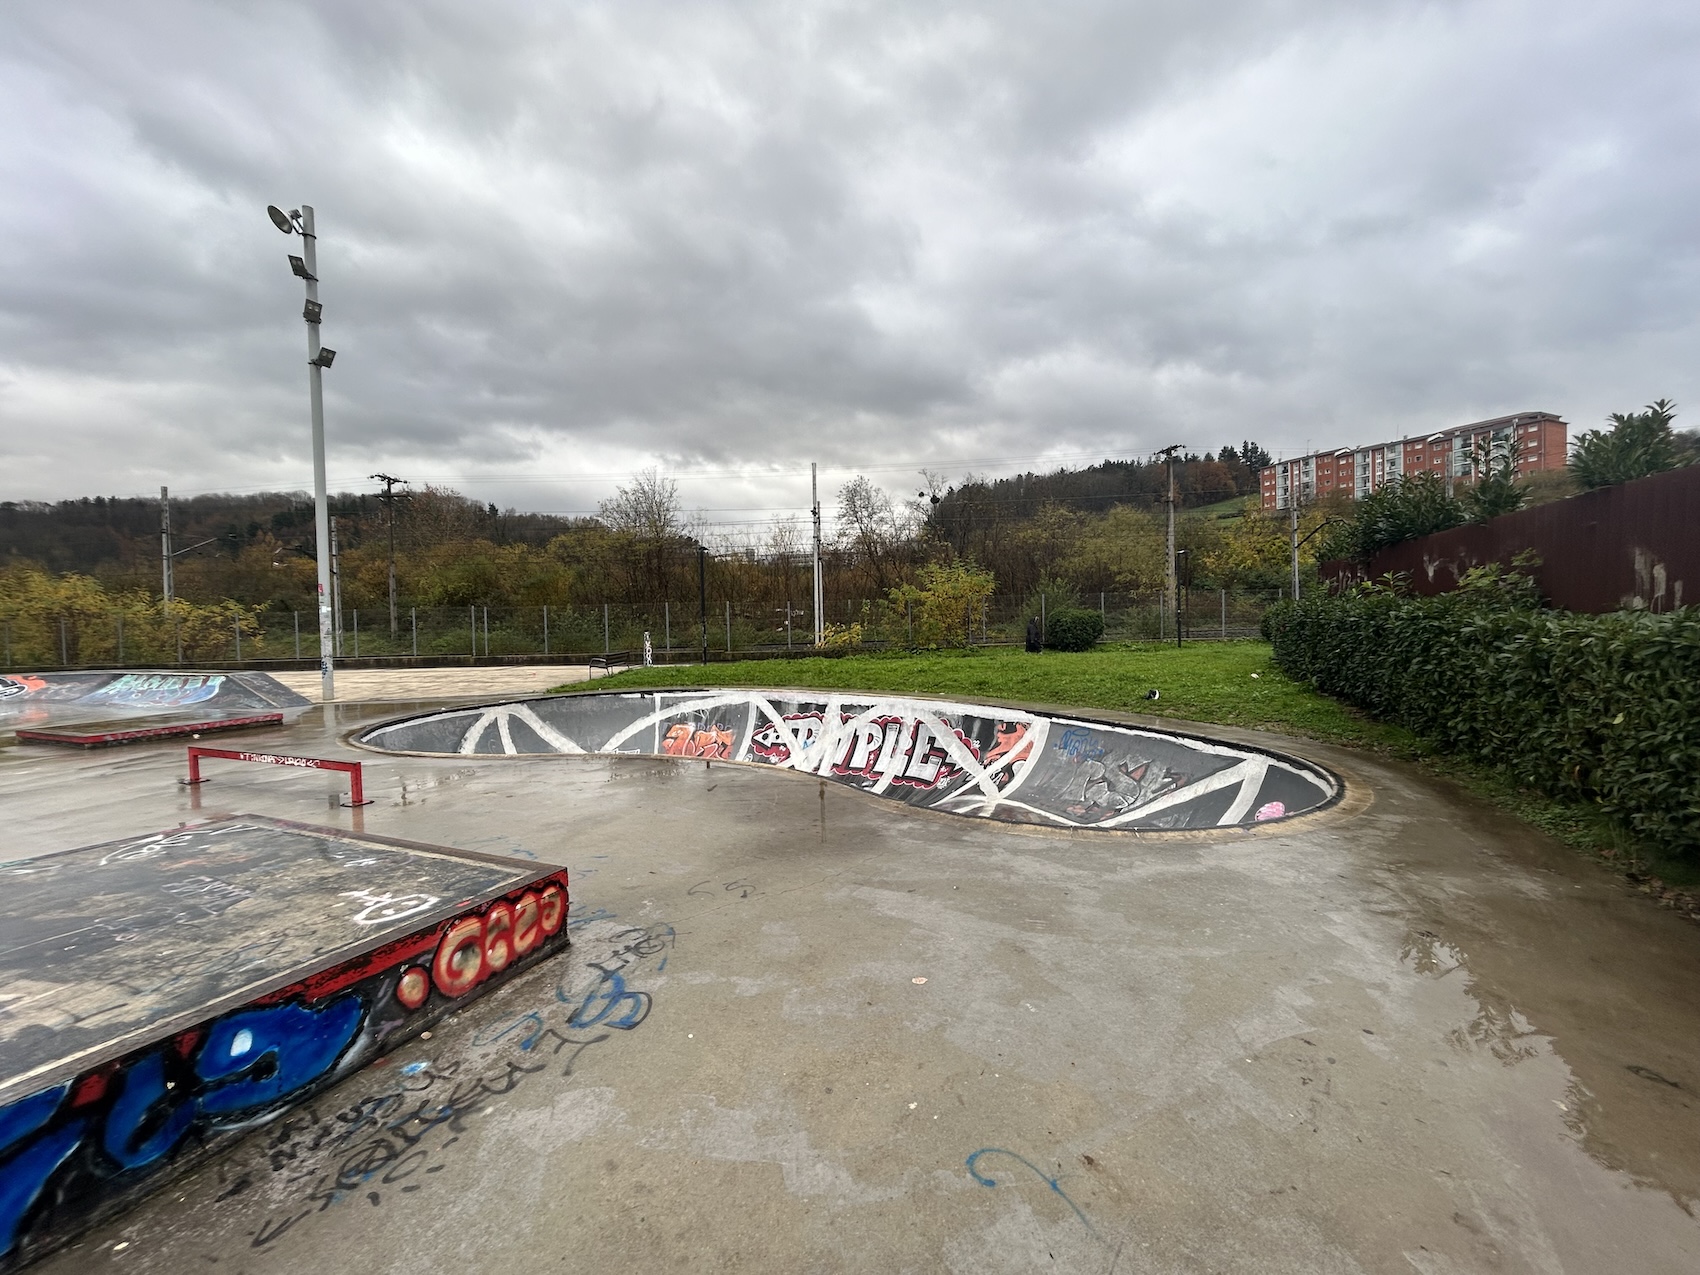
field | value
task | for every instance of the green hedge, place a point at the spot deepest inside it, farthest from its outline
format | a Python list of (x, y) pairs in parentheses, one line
[(1073, 630), (1603, 708)]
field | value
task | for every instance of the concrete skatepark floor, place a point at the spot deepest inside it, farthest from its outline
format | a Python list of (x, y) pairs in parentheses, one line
[(1406, 1034)]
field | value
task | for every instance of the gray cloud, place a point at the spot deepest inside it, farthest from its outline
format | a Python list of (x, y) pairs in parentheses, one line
[(575, 240)]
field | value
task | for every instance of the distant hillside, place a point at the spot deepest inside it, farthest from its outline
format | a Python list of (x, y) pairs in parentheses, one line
[(113, 535)]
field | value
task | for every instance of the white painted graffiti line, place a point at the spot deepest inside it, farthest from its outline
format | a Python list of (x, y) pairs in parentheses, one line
[(388, 907), (501, 715)]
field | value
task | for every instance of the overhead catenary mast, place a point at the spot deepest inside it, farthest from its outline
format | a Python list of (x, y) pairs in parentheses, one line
[(820, 587)]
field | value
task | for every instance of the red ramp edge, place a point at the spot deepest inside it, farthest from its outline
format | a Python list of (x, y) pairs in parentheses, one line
[(142, 734), (78, 1151)]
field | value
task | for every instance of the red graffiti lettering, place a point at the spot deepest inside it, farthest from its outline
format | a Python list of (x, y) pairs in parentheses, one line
[(527, 925), (413, 987), (684, 740)]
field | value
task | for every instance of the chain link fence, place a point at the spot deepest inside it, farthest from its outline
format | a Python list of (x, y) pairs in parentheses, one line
[(570, 634)]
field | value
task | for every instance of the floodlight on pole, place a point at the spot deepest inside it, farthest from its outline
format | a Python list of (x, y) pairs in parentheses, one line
[(306, 268)]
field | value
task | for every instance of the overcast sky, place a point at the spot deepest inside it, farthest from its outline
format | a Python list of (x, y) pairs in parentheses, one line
[(561, 242)]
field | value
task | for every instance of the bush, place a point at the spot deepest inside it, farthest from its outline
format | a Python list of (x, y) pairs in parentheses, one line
[(944, 607), (1075, 629), (1600, 708)]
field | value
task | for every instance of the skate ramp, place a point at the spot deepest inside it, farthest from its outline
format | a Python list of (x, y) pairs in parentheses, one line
[(164, 993), (123, 698), (966, 759)]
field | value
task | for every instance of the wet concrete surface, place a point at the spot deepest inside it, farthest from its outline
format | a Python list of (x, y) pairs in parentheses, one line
[(1405, 1035), (370, 686)]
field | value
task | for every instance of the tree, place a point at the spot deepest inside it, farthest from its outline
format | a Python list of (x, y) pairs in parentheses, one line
[(1497, 489), (1255, 456), (1409, 506), (1638, 444), (1255, 550), (647, 518), (946, 603), (871, 531)]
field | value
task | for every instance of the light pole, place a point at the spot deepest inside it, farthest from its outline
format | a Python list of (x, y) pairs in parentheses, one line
[(300, 221)]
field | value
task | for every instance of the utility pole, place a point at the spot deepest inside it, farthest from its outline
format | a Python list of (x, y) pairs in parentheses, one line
[(702, 598), (167, 582), (1171, 581), (820, 591), (306, 267), (389, 499)]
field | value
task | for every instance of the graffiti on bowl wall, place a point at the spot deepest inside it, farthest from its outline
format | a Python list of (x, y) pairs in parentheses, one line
[(965, 759)]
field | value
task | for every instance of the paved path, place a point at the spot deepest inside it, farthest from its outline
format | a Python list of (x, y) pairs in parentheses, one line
[(803, 1030), (380, 685)]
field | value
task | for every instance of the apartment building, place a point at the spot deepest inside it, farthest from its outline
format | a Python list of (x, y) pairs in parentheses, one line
[(1541, 441)]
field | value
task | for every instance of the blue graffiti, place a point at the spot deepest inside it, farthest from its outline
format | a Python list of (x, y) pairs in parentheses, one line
[(508, 1026), (1044, 1177), (143, 1125), (26, 1115), (611, 992), (601, 914), (1077, 745), (279, 1050), (24, 1175)]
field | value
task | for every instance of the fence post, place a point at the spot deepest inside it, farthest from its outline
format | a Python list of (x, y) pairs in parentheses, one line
[(413, 614), (728, 626), (545, 628), (64, 658), (120, 637), (1160, 610), (8, 644), (909, 621), (1224, 615), (606, 648), (486, 633), (356, 632), (472, 623), (1044, 634), (297, 616), (237, 624), (667, 619)]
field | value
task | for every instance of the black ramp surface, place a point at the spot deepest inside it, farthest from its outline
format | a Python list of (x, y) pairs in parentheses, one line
[(108, 945), (115, 695), (967, 759)]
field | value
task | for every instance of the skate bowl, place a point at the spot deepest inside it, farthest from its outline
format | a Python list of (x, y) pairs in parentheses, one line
[(974, 760), (119, 697)]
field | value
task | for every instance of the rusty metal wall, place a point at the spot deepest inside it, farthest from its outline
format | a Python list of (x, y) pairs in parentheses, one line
[(1633, 545)]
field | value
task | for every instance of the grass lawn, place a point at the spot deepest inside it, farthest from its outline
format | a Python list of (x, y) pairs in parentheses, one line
[(1233, 683)]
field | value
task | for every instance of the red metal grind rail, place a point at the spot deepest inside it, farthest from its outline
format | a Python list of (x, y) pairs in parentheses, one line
[(356, 789)]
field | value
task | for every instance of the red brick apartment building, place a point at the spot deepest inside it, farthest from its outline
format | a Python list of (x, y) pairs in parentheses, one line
[(1357, 471)]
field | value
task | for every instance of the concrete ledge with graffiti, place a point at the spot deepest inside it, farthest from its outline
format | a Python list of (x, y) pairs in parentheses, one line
[(966, 759), (56, 699), (163, 993)]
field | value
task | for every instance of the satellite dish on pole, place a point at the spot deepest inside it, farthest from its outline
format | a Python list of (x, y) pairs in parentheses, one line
[(280, 219)]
